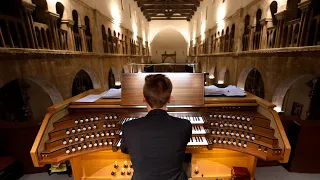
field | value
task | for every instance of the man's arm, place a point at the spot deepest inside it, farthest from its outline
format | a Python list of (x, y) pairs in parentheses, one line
[(123, 145), (188, 132)]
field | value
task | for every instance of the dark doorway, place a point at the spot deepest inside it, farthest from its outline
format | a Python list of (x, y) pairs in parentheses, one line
[(81, 83)]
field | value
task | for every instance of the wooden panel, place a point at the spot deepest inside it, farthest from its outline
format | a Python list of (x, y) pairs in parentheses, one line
[(187, 88), (279, 133), (43, 135), (211, 164)]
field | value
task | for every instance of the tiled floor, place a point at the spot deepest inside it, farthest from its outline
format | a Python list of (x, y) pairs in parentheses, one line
[(262, 173)]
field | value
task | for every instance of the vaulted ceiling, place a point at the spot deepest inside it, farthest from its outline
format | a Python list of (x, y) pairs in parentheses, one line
[(168, 9)]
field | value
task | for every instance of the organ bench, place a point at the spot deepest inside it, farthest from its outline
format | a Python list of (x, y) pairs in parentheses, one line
[(227, 132)]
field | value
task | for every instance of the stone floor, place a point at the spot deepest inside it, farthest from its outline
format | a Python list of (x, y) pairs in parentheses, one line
[(262, 173)]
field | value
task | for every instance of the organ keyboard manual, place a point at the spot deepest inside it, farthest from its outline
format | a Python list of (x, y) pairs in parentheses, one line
[(227, 131)]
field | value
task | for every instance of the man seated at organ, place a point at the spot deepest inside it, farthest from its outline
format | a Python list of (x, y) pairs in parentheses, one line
[(157, 142)]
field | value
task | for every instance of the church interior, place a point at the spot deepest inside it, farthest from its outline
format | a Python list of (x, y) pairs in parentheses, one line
[(56, 54)]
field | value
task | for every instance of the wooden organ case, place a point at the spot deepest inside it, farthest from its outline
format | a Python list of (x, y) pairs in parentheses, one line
[(227, 131)]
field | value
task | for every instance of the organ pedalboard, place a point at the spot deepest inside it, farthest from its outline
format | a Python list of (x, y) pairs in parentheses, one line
[(232, 134)]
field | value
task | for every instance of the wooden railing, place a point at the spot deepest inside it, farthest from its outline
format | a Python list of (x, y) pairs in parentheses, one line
[(89, 43), (256, 40), (63, 39), (43, 35), (12, 32), (245, 42), (271, 37), (293, 29), (78, 41)]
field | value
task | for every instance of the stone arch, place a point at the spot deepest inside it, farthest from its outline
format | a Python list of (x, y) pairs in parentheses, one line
[(49, 88), (282, 89), (114, 77), (126, 69), (224, 76), (212, 72), (84, 80), (31, 97), (251, 80)]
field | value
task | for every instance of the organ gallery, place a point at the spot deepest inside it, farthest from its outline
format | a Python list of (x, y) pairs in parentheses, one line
[(245, 74)]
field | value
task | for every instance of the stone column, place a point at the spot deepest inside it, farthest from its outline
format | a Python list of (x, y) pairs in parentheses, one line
[(52, 22), (28, 23), (305, 7), (251, 33), (281, 26), (68, 26), (265, 23), (82, 29)]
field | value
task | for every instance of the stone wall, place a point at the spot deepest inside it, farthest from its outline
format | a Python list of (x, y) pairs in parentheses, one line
[(57, 67), (275, 65)]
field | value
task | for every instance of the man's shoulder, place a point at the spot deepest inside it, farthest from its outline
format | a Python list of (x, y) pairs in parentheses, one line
[(182, 122), (132, 123)]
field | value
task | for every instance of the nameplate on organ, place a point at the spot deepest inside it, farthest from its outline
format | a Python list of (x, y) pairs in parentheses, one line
[(226, 131)]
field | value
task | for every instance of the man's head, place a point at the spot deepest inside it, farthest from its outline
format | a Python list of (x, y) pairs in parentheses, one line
[(157, 90)]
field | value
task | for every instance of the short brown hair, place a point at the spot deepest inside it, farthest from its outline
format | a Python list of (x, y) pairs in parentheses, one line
[(157, 90)]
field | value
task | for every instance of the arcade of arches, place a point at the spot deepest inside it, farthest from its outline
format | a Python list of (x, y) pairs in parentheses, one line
[(53, 50)]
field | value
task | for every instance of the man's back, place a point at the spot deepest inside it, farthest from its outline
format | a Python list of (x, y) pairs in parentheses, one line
[(156, 144)]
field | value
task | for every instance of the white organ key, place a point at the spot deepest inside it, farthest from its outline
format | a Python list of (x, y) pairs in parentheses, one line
[(198, 130), (200, 141), (119, 143)]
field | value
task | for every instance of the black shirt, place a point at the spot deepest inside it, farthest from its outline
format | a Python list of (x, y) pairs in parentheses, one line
[(156, 144)]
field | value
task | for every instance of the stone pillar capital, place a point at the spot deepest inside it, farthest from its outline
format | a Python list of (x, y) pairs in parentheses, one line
[(28, 6), (281, 15), (69, 23), (305, 5)]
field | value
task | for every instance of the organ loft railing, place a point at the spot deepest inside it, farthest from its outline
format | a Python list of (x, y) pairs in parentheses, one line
[(12, 32)]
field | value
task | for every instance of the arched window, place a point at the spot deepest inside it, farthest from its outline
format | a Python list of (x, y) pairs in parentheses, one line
[(104, 39), (39, 14), (110, 41), (75, 18), (88, 34), (254, 83), (246, 24), (77, 37), (246, 35), (258, 18), (233, 28), (60, 11), (274, 10), (227, 40), (293, 12)]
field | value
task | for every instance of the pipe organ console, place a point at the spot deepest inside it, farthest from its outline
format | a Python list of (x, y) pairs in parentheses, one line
[(226, 132)]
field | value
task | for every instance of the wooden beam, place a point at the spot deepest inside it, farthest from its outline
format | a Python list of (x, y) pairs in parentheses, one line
[(169, 19), (164, 16), (148, 3), (192, 8), (162, 11)]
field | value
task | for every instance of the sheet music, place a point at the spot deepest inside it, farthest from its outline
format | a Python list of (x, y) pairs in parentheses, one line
[(89, 98), (227, 91), (112, 94)]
